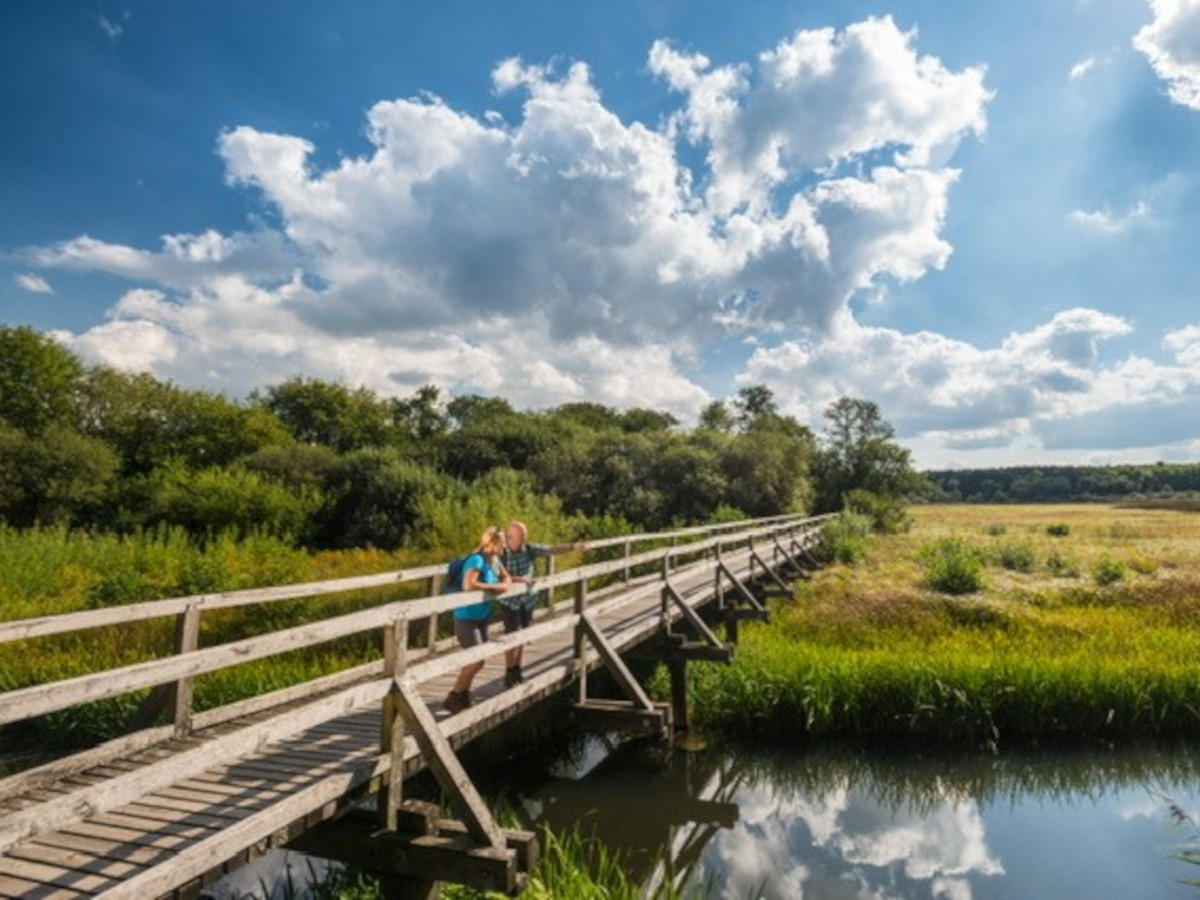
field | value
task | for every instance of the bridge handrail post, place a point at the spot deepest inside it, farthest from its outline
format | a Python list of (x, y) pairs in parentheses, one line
[(628, 552), (580, 644), (718, 585), (435, 588), (187, 639), (391, 727)]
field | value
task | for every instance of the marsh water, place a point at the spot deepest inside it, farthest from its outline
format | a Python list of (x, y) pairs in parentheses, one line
[(844, 824), (823, 824)]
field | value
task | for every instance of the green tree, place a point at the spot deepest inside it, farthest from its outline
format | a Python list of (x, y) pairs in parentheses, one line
[(767, 468), (472, 409), (717, 417), (373, 497), (54, 477), (420, 416), (858, 453), (150, 422), (647, 420), (39, 379), (322, 412), (298, 466), (754, 403)]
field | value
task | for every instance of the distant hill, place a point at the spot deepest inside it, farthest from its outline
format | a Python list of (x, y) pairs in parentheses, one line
[(1060, 484)]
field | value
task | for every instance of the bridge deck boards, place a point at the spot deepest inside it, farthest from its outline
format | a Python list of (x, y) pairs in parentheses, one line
[(95, 852)]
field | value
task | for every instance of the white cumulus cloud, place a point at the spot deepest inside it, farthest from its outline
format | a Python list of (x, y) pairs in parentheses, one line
[(598, 247), (1172, 44), (1052, 383)]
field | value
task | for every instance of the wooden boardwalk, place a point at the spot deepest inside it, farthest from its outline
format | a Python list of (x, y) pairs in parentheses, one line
[(169, 808)]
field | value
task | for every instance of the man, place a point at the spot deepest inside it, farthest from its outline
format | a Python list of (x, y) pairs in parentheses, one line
[(517, 611)]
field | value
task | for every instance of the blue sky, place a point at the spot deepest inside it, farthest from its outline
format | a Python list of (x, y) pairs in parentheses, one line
[(981, 216)]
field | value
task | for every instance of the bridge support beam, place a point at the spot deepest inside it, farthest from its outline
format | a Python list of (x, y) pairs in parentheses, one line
[(424, 851)]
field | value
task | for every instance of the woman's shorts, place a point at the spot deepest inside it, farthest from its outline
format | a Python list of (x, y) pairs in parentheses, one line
[(471, 632), (516, 617)]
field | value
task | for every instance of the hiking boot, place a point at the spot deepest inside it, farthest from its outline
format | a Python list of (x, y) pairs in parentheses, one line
[(513, 676), (457, 701)]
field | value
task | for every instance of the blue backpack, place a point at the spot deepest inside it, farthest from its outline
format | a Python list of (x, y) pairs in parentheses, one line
[(453, 582)]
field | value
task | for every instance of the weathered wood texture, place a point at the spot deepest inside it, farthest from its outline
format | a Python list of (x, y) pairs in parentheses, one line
[(165, 809)]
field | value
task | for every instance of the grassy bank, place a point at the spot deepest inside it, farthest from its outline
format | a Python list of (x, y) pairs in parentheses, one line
[(1082, 624)]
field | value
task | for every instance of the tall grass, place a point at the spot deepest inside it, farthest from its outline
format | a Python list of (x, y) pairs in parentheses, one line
[(877, 650), (571, 865)]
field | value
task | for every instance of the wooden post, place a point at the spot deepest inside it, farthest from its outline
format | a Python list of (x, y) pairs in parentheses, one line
[(187, 639), (679, 695), (719, 586), (391, 729), (435, 588), (580, 644), (628, 551)]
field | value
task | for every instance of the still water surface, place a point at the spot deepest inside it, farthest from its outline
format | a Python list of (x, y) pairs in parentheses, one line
[(841, 824)]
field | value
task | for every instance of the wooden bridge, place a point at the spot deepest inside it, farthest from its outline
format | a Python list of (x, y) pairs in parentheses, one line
[(169, 808)]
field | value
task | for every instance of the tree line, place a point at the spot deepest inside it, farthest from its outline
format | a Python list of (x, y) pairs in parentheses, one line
[(327, 465), (1062, 484)]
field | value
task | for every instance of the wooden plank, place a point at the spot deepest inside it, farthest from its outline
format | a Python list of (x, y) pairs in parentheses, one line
[(119, 791), (146, 832), (741, 590), (74, 860), (209, 853), (22, 889), (440, 759), (41, 873), (98, 848), (771, 573)]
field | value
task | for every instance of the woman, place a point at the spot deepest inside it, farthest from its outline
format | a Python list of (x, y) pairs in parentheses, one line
[(481, 571)]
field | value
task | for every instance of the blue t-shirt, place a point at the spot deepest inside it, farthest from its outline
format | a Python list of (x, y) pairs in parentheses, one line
[(478, 612)]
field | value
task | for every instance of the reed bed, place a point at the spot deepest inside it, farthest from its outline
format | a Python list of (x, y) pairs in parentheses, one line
[(1049, 645)]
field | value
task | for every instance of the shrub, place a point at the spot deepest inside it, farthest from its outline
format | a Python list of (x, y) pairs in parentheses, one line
[(218, 500), (953, 566), (52, 478), (1062, 566), (888, 515), (1017, 556), (844, 538), (1058, 529), (1108, 571), (372, 498)]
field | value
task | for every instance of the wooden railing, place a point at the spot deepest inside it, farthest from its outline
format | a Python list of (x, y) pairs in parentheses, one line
[(419, 615)]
